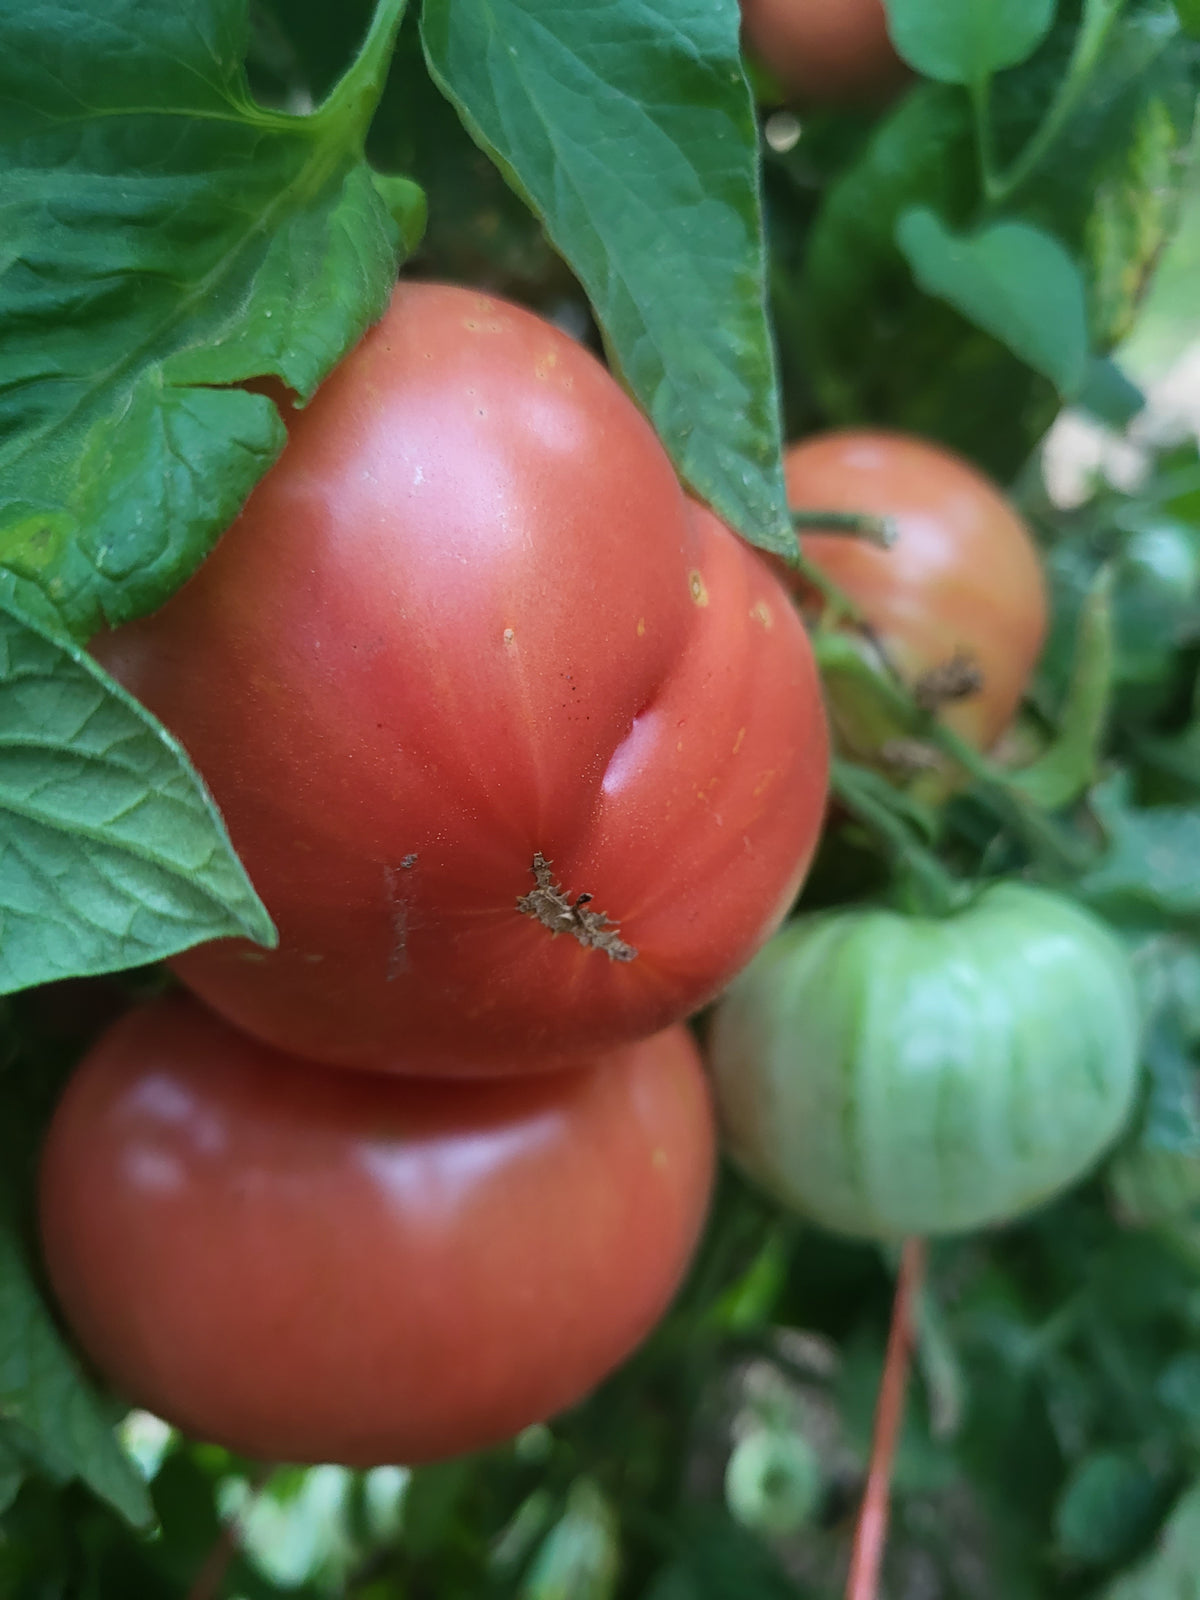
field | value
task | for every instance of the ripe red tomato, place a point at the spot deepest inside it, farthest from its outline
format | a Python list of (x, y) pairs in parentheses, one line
[(825, 51), (963, 581), (512, 742), (309, 1265)]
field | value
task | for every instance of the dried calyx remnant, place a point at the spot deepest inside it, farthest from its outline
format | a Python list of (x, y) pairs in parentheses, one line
[(956, 679), (549, 904)]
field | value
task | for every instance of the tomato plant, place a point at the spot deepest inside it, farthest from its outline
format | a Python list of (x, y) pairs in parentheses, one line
[(824, 50), (957, 605), (311, 1265), (511, 740), (889, 1075)]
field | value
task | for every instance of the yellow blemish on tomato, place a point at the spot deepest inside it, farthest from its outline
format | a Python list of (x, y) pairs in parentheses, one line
[(509, 636), (763, 613), (679, 744), (764, 783), (737, 743), (545, 364), (641, 627), (696, 585), (658, 1158)]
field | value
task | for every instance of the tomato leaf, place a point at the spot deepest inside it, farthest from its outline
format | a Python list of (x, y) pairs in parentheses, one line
[(580, 1556), (1011, 279), (48, 1413), (1109, 394), (12, 1474), (1170, 1571), (1188, 12), (967, 41), (1153, 859), (630, 131), (1171, 1120), (1107, 1508), (166, 238), (111, 852), (875, 347), (1066, 769), (718, 1560)]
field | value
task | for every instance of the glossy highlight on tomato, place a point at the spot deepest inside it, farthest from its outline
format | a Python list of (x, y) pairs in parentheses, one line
[(825, 51), (513, 740), (312, 1265), (963, 581)]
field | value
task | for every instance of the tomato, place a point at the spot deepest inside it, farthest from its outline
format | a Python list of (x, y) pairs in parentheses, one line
[(963, 584), (308, 1265), (890, 1075), (513, 740), (825, 51)]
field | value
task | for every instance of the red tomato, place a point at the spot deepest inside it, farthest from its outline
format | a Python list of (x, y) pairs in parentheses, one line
[(311, 1265), (825, 51), (467, 658), (963, 582)]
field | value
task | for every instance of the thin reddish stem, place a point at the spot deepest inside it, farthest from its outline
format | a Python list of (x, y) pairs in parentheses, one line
[(209, 1580), (871, 1532)]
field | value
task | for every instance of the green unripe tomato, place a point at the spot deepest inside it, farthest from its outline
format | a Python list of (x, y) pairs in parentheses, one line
[(888, 1075)]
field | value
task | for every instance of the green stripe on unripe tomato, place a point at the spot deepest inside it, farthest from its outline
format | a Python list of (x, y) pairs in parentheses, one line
[(888, 1075)]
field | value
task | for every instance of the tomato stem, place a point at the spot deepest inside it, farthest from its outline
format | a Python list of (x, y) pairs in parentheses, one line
[(870, 798), (880, 531), (871, 1531), (209, 1579)]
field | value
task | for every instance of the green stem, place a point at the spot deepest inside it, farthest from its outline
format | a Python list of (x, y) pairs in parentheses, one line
[(937, 891), (879, 531), (1057, 849), (984, 141), (1047, 838), (1098, 19), (838, 606), (354, 97)]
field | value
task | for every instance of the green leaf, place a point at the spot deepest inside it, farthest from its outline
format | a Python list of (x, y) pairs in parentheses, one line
[(12, 1473), (965, 42), (859, 328), (1012, 280), (431, 1504), (579, 1558), (1153, 858), (1109, 395), (165, 240), (45, 1402), (407, 204), (1171, 1120), (1170, 1572), (1106, 1508), (111, 852), (1135, 208), (718, 1560), (1188, 12), (630, 130), (1071, 763)]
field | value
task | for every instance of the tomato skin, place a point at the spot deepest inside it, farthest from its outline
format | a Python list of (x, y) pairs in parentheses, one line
[(888, 1075), (470, 618), (825, 51), (963, 579), (310, 1265)]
